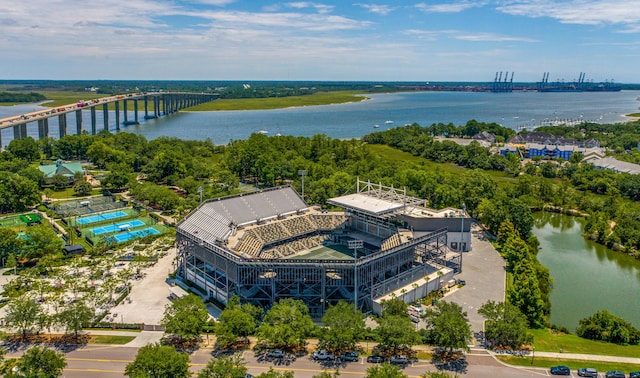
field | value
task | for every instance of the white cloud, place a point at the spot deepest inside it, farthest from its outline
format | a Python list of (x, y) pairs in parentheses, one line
[(219, 3), (452, 7), (586, 12), (320, 8), (491, 37), (376, 8)]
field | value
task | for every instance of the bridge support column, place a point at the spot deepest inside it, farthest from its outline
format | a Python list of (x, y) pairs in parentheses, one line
[(105, 116), (117, 115), (93, 120), (124, 110), (62, 124), (164, 105), (135, 111), (43, 128), (16, 132), (146, 107), (156, 106), (78, 121)]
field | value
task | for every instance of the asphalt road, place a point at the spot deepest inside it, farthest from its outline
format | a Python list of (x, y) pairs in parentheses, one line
[(110, 361)]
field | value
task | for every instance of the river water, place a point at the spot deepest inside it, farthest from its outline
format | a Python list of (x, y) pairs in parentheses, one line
[(353, 120), (587, 277)]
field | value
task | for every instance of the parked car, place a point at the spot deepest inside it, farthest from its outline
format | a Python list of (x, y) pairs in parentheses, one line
[(399, 360), (322, 355), (560, 370), (349, 356), (634, 374), (275, 353), (375, 359), (588, 372), (615, 374)]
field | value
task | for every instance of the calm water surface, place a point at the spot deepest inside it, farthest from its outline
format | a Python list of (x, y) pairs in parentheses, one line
[(353, 120), (587, 277)]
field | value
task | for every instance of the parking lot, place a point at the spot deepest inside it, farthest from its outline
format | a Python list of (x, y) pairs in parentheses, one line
[(483, 269)]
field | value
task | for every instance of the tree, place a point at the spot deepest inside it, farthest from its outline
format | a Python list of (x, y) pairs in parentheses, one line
[(526, 295), (326, 374), (448, 326), (39, 362), (25, 148), (395, 332), (158, 361), (394, 307), (10, 244), (75, 316), (438, 374), (17, 193), (287, 324), (276, 374), (385, 371), (344, 327), (22, 313), (41, 240), (185, 317), (607, 327), (224, 367), (505, 326), (82, 188), (234, 323)]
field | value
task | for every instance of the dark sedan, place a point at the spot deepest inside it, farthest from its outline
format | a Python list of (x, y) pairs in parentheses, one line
[(615, 374), (375, 359), (560, 370)]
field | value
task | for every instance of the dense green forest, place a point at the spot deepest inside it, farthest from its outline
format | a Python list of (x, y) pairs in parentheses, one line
[(21, 97)]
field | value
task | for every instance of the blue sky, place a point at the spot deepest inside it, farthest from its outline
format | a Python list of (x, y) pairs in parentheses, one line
[(322, 40)]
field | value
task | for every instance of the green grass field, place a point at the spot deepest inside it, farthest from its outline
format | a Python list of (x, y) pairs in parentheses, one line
[(545, 340), (319, 98), (109, 339), (572, 364)]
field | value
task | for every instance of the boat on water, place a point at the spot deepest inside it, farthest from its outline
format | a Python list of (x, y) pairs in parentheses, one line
[(263, 132), (376, 126), (388, 122)]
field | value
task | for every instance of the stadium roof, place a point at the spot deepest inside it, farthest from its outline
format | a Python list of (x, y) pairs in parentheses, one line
[(366, 203), (214, 219), (376, 199)]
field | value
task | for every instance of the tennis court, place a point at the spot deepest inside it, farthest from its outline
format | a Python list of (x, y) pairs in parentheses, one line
[(123, 237), (117, 227), (101, 217)]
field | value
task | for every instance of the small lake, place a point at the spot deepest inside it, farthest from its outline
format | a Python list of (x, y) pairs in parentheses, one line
[(587, 277)]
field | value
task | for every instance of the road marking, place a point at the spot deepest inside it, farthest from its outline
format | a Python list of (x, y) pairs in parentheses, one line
[(95, 370)]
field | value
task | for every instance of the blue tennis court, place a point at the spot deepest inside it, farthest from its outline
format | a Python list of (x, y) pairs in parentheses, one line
[(101, 217), (136, 234), (117, 227)]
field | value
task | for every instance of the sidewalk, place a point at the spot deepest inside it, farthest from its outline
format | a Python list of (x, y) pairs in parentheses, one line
[(588, 357)]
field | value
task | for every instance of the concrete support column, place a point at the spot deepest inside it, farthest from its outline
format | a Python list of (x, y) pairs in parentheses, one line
[(105, 115), (78, 121), (164, 105), (135, 111), (117, 115), (62, 124), (146, 107), (16, 132), (93, 120), (23, 130), (156, 106), (42, 132), (124, 109)]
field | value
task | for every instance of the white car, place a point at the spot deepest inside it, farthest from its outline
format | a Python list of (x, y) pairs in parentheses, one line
[(322, 355)]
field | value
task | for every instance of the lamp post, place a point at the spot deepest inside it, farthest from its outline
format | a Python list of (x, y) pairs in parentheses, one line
[(200, 189), (302, 172), (462, 234)]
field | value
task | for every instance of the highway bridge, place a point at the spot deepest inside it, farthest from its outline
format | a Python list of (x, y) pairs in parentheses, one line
[(155, 104)]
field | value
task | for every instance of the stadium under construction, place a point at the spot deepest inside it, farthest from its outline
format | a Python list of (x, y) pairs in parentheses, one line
[(268, 245)]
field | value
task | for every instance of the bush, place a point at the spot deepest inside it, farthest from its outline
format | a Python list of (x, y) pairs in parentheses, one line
[(604, 326)]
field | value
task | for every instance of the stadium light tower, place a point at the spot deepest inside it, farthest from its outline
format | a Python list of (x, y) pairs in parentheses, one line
[(302, 172), (355, 244)]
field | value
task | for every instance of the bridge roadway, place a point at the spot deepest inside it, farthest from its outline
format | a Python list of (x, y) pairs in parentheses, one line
[(110, 361), (164, 103)]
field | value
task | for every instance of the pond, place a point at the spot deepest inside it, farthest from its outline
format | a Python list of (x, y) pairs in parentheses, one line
[(587, 277)]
